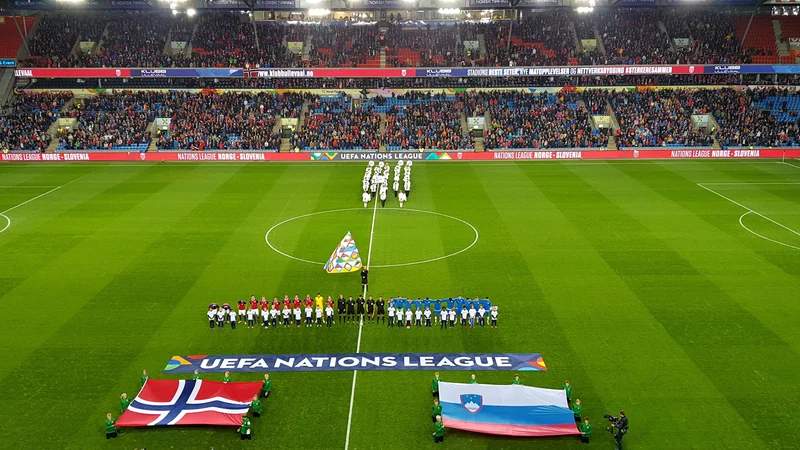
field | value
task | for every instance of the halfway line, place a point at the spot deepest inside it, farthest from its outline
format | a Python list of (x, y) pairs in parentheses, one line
[(360, 327)]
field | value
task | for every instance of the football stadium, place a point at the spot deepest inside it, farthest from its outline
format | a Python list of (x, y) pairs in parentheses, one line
[(397, 224)]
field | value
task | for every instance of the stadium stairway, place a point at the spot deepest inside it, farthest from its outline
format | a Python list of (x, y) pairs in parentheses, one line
[(482, 45), (780, 43), (663, 29), (599, 39), (383, 56), (463, 121), (574, 32)]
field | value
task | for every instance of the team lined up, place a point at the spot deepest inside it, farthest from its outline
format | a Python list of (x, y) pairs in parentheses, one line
[(320, 312), (376, 182)]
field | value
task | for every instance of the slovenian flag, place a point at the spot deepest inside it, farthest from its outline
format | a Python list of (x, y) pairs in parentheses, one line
[(510, 410)]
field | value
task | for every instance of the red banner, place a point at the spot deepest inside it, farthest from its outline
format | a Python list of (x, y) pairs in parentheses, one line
[(562, 155)]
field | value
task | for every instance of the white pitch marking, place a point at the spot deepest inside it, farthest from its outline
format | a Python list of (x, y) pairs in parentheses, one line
[(8, 219), (750, 210), (34, 198), (763, 237), (745, 183), (790, 164), (472, 244), (360, 328)]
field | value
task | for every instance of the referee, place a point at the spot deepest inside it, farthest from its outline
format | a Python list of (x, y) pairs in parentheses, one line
[(364, 277)]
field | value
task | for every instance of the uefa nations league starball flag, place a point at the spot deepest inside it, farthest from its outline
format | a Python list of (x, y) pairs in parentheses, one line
[(189, 402), (345, 258), (510, 410)]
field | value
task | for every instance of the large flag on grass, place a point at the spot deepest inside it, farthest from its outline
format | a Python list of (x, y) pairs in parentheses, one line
[(511, 410), (345, 258), (189, 402)]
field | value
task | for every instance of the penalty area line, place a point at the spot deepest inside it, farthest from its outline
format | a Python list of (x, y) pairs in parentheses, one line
[(360, 328)]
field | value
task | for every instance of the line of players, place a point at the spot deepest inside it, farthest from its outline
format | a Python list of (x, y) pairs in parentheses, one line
[(319, 312), (376, 182)]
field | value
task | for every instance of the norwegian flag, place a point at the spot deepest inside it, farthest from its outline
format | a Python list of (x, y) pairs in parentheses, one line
[(189, 402)]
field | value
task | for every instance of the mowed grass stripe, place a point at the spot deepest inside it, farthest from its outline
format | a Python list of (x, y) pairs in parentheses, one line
[(173, 265), (614, 335), (44, 255), (375, 406), (718, 340), (89, 347)]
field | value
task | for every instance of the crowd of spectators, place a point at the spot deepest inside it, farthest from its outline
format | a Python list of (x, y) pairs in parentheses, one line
[(714, 39), (230, 39), (543, 120), (226, 121), (338, 125), (633, 36), (56, 36), (745, 117), (544, 39), (421, 48), (426, 122), (225, 40), (24, 124), (344, 46), (656, 118), (108, 122)]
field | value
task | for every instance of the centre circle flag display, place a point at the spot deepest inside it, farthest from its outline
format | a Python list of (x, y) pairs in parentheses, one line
[(345, 258), (359, 361)]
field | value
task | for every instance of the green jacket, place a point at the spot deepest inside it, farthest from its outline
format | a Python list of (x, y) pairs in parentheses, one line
[(226, 379), (569, 391), (267, 386), (110, 426), (586, 429), (577, 409), (435, 385), (245, 428), (439, 429), (123, 404), (256, 405), (144, 379), (437, 410)]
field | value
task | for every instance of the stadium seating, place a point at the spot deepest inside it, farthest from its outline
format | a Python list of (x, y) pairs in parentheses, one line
[(24, 126), (656, 118), (421, 121), (10, 40), (546, 37), (337, 125), (528, 121)]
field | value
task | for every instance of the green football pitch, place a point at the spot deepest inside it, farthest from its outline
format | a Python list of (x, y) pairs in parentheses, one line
[(667, 289)]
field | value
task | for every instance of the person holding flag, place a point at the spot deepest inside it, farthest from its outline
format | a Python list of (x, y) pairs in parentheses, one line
[(227, 377), (111, 430), (577, 410), (586, 430), (568, 389), (145, 376), (473, 379), (255, 405), (244, 429), (435, 384), (266, 388), (516, 380), (124, 401), (437, 410), (438, 434), (196, 375)]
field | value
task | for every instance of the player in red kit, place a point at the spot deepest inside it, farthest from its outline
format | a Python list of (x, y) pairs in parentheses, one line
[(308, 302), (296, 302), (264, 303), (242, 307), (253, 302), (286, 302)]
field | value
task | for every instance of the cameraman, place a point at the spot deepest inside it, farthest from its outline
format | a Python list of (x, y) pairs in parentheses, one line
[(621, 426)]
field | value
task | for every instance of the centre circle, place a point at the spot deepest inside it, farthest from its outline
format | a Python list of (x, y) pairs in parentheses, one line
[(409, 235)]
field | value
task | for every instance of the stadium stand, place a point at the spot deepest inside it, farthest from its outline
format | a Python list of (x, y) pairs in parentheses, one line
[(539, 121), (422, 121), (633, 36), (10, 40), (335, 123), (24, 125), (655, 118), (760, 39), (111, 122)]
